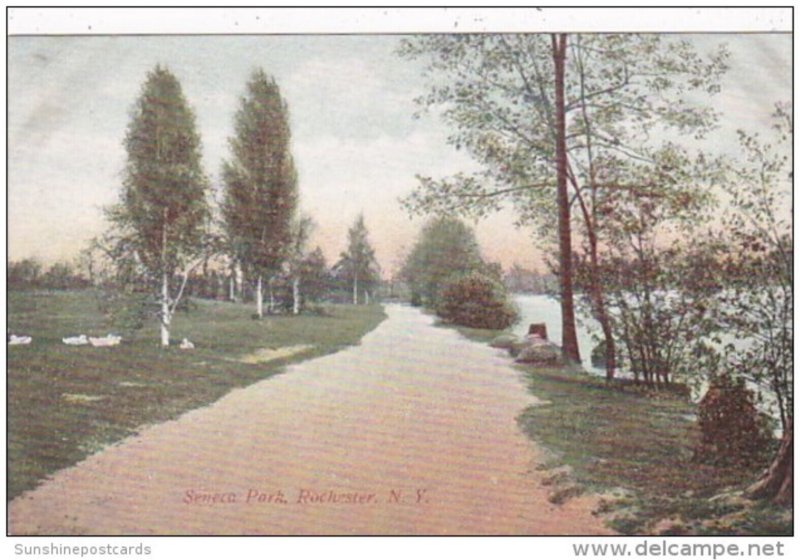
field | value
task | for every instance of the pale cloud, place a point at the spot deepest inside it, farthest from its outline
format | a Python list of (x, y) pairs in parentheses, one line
[(350, 97)]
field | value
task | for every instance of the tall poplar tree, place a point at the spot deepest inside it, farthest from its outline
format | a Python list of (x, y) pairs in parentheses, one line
[(260, 183), (163, 212)]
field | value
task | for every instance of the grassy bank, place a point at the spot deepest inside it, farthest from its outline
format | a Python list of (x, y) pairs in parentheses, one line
[(68, 402), (636, 450)]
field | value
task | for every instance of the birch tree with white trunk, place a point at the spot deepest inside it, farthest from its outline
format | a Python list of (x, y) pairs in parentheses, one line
[(260, 183), (163, 210)]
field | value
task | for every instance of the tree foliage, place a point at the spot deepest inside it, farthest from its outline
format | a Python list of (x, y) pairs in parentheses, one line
[(476, 300), (163, 210), (314, 276), (626, 97), (446, 247), (27, 274), (658, 291), (758, 303), (260, 179), (24, 274), (159, 226), (302, 228), (496, 92)]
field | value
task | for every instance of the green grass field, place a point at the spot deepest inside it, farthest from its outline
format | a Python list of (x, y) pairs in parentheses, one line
[(641, 446), (66, 403)]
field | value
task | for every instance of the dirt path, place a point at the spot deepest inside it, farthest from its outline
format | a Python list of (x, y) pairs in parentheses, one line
[(413, 432)]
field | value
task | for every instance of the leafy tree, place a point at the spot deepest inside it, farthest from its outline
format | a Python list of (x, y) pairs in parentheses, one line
[(358, 264), (660, 302), (658, 294), (446, 247), (160, 221), (622, 95), (758, 303), (62, 276), (260, 183), (24, 274), (314, 276)]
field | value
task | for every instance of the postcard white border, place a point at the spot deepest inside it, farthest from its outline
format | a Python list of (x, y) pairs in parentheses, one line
[(193, 20)]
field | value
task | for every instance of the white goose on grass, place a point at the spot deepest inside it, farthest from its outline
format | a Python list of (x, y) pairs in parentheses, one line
[(102, 341), (15, 340), (81, 340)]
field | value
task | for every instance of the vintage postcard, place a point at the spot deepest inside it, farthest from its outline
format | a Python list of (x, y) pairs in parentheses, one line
[(400, 272)]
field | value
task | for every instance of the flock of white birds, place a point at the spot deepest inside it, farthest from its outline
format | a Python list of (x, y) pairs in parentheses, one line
[(83, 340)]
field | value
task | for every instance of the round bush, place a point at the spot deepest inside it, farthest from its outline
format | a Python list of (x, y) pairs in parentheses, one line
[(476, 301), (732, 431)]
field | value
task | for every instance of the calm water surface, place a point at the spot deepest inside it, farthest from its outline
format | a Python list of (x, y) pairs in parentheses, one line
[(547, 310)]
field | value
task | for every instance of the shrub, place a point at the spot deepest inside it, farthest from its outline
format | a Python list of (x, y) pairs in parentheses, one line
[(476, 301), (733, 432)]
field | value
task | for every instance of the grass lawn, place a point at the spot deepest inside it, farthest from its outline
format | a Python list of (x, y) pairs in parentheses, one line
[(640, 446), (65, 403)]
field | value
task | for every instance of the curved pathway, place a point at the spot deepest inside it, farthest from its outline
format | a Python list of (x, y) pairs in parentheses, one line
[(411, 432)]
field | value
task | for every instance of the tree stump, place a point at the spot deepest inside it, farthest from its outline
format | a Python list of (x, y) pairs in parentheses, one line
[(538, 329)]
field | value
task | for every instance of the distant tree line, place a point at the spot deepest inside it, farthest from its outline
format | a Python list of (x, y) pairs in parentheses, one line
[(525, 281), (30, 274)]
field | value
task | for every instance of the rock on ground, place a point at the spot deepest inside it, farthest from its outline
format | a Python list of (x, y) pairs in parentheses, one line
[(540, 353)]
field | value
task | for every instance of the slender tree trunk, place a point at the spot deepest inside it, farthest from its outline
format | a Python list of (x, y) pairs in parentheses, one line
[(366, 297), (596, 292), (239, 275), (355, 288), (569, 339), (232, 281), (165, 314), (296, 295), (271, 297), (259, 298), (601, 314)]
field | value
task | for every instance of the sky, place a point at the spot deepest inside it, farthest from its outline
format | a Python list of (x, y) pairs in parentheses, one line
[(355, 140)]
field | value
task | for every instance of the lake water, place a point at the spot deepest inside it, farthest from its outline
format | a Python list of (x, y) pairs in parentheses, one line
[(547, 310)]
